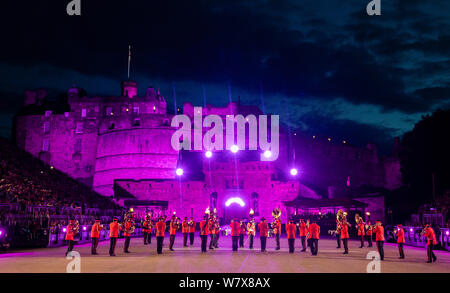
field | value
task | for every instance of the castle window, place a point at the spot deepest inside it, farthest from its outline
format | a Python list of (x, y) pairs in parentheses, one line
[(45, 145), (46, 127), (83, 113), (136, 122), (136, 110), (89, 168), (48, 113), (77, 146), (79, 128), (112, 126), (108, 111)]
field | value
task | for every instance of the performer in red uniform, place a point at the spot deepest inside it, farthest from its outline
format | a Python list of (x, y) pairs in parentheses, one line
[(251, 228), (314, 231), (174, 226), (276, 225), (128, 231), (263, 230), (95, 235), (191, 225), (212, 232), (379, 237), (431, 241), (160, 230), (344, 225), (114, 228), (204, 232), (70, 233), (400, 240), (290, 231), (241, 233), (303, 230), (369, 233), (147, 229), (235, 228), (185, 231), (361, 231)]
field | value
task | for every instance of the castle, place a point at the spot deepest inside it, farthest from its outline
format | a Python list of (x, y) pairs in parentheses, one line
[(121, 147)]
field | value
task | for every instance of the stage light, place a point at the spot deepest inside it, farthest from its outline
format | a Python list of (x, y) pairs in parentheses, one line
[(64, 230), (368, 214), (1, 233), (234, 148), (411, 229), (237, 200), (294, 172), (208, 154), (84, 228), (179, 172), (446, 233), (267, 154)]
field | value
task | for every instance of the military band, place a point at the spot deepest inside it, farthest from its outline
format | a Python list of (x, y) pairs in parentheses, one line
[(209, 226)]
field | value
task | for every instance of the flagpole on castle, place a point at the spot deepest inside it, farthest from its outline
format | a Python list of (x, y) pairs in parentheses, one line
[(129, 61)]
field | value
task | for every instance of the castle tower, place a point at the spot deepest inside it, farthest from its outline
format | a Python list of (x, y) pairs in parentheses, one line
[(129, 88)]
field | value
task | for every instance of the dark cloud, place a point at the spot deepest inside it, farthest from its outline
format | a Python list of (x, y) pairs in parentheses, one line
[(323, 49)]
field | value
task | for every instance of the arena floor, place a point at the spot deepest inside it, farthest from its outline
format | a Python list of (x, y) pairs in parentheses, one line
[(143, 259)]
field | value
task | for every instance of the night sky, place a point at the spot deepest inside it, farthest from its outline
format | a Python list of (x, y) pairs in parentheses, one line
[(326, 67)]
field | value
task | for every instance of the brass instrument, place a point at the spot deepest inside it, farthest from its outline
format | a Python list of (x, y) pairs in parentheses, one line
[(76, 227)]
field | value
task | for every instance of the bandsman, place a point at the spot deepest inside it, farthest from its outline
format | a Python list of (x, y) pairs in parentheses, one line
[(303, 230), (147, 229), (263, 230), (338, 233), (361, 232), (114, 228), (212, 232), (128, 230), (217, 233), (95, 235), (160, 230), (431, 242), (70, 233), (235, 229), (400, 240), (204, 232), (251, 232), (191, 231), (344, 226), (314, 232), (185, 231), (174, 226), (241, 233), (290, 231), (379, 237), (369, 233), (276, 225)]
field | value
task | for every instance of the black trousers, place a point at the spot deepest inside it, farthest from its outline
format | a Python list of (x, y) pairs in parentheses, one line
[(191, 238), (112, 245), (338, 239), (430, 253), (235, 240), (400, 250), (369, 239), (204, 239), (277, 238), (126, 245), (291, 243), (263, 242), (241, 240), (172, 241), (314, 246), (380, 245), (159, 244), (147, 238), (303, 239), (345, 242), (94, 245), (216, 243), (185, 239), (362, 240), (150, 237), (70, 244), (212, 241), (250, 238)]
